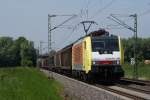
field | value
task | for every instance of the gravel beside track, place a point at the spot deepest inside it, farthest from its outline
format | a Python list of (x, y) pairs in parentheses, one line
[(78, 90)]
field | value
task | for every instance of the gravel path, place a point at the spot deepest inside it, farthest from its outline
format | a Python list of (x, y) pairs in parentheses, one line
[(77, 90)]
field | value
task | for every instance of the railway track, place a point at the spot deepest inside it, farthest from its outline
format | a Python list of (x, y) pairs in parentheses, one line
[(135, 89), (138, 88), (137, 85), (128, 89), (120, 91), (138, 82)]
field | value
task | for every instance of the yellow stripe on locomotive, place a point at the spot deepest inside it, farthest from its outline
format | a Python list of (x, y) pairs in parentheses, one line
[(121, 51), (87, 52)]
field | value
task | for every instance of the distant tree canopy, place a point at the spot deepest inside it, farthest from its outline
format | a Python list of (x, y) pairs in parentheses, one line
[(19, 52), (142, 49)]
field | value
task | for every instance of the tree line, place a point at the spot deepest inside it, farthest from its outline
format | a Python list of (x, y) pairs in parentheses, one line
[(142, 49), (19, 52)]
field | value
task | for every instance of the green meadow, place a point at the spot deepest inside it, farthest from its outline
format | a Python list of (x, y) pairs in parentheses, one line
[(24, 83), (143, 71)]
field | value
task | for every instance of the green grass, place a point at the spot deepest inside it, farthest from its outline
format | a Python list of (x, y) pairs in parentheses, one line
[(143, 71), (27, 84)]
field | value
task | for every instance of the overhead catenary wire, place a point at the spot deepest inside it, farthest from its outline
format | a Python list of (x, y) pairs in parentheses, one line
[(145, 12), (102, 9), (121, 15), (57, 26), (64, 22), (120, 22), (114, 18), (111, 26), (83, 14), (68, 37)]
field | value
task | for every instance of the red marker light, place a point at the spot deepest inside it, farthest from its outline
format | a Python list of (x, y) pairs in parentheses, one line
[(104, 62)]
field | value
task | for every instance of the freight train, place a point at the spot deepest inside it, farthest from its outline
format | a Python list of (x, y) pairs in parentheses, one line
[(96, 56)]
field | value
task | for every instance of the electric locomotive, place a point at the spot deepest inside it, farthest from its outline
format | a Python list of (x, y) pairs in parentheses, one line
[(98, 56)]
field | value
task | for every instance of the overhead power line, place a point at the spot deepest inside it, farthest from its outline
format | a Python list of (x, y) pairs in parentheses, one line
[(73, 16), (50, 28), (102, 9), (69, 36), (120, 22), (145, 12)]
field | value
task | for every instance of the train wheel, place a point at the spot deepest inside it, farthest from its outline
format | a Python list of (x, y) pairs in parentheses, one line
[(90, 78), (85, 77)]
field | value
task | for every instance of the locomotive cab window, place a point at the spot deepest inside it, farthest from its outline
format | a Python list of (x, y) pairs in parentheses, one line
[(98, 45), (105, 43)]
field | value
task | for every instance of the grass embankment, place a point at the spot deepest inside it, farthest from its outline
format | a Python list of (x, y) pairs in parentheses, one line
[(27, 84), (143, 71)]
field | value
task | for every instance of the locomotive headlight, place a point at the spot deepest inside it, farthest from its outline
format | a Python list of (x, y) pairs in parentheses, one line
[(105, 52), (118, 62), (94, 62)]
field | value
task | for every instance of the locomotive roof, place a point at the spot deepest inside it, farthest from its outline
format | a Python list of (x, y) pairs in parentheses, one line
[(101, 32)]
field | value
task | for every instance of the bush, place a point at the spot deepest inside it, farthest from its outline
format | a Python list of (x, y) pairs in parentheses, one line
[(26, 62)]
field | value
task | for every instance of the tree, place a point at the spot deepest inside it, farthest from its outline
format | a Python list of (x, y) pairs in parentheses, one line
[(28, 54), (6, 51), (17, 52), (142, 49)]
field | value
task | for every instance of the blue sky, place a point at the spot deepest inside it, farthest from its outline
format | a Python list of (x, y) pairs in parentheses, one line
[(29, 18)]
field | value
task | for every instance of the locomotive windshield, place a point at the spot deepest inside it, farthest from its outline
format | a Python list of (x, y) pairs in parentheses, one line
[(105, 43)]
